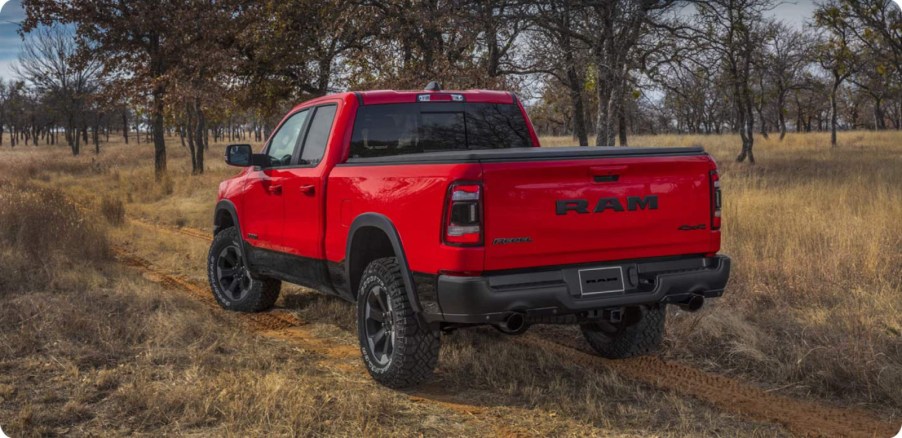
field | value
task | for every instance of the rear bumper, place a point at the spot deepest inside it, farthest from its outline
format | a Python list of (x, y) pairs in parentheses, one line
[(556, 292)]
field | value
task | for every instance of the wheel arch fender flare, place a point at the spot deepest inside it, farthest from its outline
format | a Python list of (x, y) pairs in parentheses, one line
[(228, 207), (383, 223)]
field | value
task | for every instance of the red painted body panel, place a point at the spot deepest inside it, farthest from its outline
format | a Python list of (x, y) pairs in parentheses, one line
[(262, 211), (412, 197), (519, 201), (304, 192)]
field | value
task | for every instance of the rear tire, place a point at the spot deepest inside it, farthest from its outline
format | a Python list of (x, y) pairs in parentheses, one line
[(622, 340), (233, 286), (397, 351)]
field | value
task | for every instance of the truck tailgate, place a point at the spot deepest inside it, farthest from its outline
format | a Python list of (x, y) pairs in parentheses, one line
[(547, 212)]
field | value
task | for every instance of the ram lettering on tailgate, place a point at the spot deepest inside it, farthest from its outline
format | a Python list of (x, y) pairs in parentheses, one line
[(633, 203)]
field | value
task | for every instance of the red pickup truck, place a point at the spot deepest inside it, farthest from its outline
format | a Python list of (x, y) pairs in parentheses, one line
[(436, 210)]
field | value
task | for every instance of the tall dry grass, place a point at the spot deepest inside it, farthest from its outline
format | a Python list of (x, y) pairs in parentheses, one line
[(43, 236)]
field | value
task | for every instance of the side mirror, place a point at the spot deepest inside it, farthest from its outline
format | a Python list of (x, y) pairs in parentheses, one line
[(242, 155)]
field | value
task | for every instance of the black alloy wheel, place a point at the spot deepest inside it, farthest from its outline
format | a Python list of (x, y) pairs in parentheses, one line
[(233, 285), (379, 325), (232, 274)]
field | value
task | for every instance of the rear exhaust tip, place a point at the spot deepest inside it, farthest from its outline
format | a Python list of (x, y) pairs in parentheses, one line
[(514, 324), (694, 303)]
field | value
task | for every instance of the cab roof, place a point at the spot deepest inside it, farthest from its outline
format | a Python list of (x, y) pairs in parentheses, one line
[(377, 97)]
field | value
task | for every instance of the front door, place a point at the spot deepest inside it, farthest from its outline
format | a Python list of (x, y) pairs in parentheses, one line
[(263, 204), (304, 190)]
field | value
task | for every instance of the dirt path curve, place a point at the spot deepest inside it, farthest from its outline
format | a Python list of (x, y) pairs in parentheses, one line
[(283, 326), (800, 417)]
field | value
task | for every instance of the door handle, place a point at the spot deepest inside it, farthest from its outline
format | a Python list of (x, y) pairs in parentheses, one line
[(308, 190), (274, 189)]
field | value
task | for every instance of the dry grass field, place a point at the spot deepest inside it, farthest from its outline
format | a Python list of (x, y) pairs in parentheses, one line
[(105, 328)]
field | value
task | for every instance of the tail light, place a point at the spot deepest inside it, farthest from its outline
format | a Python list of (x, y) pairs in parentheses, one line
[(715, 200), (463, 215)]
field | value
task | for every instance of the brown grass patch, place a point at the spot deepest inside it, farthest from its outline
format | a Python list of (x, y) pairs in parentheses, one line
[(43, 236), (113, 210)]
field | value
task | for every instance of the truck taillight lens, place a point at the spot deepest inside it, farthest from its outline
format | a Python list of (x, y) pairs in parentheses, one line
[(463, 215), (715, 200)]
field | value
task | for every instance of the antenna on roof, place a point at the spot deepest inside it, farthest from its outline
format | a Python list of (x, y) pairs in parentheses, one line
[(433, 86)]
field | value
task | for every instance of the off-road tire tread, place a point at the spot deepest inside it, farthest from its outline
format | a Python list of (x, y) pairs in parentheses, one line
[(416, 348), (264, 291), (643, 337)]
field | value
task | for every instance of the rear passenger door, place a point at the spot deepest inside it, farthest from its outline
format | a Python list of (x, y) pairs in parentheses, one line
[(304, 190)]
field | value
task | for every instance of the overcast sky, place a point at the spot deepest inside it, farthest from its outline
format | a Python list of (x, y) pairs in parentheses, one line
[(793, 12), (10, 16)]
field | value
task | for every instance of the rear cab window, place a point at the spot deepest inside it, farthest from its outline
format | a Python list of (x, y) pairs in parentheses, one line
[(318, 135), (410, 128)]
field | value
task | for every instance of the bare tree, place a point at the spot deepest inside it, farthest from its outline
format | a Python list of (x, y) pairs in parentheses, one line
[(563, 56), (612, 30), (788, 54), (732, 28), (836, 53), (48, 62)]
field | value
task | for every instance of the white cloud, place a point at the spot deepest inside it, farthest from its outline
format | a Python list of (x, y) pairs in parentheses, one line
[(6, 71)]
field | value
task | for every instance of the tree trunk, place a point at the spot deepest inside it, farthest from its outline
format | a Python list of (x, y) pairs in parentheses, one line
[(125, 125), (763, 131), (201, 140), (879, 118), (833, 115), (77, 148), (744, 120), (781, 116), (181, 130), (621, 126), (96, 136), (159, 135), (189, 133), (605, 86)]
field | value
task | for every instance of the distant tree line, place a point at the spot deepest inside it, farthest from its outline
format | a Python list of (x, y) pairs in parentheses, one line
[(599, 70)]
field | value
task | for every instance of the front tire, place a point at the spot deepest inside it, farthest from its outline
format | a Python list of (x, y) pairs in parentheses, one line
[(640, 333), (233, 286), (397, 351)]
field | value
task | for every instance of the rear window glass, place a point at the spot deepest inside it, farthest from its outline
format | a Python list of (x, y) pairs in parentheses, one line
[(410, 128)]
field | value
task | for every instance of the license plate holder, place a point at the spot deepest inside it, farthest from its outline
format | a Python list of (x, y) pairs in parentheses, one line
[(598, 281)]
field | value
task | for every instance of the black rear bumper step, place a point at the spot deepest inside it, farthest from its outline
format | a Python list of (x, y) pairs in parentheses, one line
[(557, 292)]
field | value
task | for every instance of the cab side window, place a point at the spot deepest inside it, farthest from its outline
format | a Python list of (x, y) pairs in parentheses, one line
[(318, 135), (281, 147)]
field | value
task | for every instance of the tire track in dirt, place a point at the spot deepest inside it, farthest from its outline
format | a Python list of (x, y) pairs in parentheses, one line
[(187, 231), (274, 320), (289, 328), (800, 417)]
